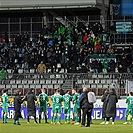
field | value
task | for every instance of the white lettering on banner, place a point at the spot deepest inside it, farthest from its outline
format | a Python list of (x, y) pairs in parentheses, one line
[(11, 114), (22, 113), (120, 114)]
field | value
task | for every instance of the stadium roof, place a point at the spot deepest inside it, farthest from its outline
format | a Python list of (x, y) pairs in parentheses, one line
[(48, 4)]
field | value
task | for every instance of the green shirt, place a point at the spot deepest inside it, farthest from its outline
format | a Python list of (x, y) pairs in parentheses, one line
[(67, 100), (129, 102), (3, 75), (75, 99), (52, 98), (105, 64), (43, 98), (4, 99), (58, 100)]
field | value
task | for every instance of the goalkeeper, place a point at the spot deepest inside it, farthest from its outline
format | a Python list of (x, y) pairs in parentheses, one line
[(43, 99), (67, 106)]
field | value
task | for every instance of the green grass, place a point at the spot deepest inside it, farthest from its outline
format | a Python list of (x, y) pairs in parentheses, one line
[(65, 128)]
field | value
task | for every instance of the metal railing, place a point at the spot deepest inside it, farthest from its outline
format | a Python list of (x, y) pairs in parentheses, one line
[(51, 81)]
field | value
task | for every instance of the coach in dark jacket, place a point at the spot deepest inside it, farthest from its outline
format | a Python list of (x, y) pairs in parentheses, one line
[(86, 108), (112, 99), (31, 98), (17, 106), (104, 100)]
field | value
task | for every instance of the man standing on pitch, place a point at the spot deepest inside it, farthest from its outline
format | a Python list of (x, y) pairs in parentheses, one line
[(67, 106), (31, 98), (75, 101), (43, 99), (86, 108), (5, 106), (17, 106), (58, 103)]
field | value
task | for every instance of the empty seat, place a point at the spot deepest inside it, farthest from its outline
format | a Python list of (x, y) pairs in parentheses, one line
[(24, 81), (37, 81), (58, 76), (54, 81), (14, 86), (9, 70), (56, 86), (93, 86), (38, 86), (99, 86), (96, 81), (42, 81), (12, 81), (18, 82), (103, 81), (48, 81), (20, 71), (30, 82), (90, 81), (32, 86), (26, 86), (8, 86), (50, 86), (32, 71), (2, 86), (79, 81), (20, 86), (60, 81), (44, 86)]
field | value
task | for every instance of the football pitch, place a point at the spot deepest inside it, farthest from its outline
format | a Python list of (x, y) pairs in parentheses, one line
[(118, 127)]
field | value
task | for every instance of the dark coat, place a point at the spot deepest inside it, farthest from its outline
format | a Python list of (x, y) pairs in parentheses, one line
[(31, 98), (17, 106), (104, 100), (84, 101), (111, 105)]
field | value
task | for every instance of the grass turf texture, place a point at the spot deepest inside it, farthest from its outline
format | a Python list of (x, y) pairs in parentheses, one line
[(65, 128)]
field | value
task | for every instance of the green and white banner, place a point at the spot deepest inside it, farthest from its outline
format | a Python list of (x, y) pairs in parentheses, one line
[(123, 26)]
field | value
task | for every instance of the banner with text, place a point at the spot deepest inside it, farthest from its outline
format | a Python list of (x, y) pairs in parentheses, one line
[(96, 114)]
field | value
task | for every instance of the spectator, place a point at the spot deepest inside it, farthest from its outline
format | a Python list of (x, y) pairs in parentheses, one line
[(41, 68), (131, 67), (112, 65), (123, 65), (94, 65), (3, 74), (25, 67), (110, 50), (105, 65), (85, 38), (97, 48)]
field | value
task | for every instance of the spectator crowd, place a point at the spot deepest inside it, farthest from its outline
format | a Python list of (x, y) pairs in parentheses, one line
[(69, 46)]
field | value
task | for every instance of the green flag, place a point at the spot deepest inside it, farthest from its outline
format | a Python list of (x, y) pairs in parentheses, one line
[(123, 26)]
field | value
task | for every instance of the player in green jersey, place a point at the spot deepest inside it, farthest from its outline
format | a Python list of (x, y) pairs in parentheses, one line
[(5, 106), (129, 109), (75, 101), (67, 106), (53, 107), (43, 99), (58, 103)]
